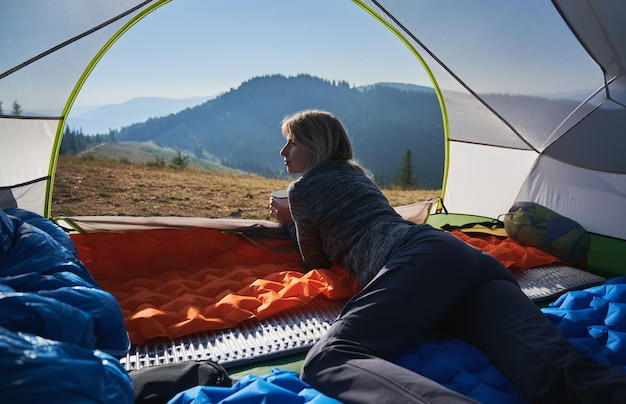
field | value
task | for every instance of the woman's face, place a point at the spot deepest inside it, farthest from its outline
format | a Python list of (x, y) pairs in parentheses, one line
[(296, 157)]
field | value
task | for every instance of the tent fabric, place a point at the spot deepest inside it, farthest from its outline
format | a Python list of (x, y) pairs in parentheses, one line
[(565, 157), (415, 212), (504, 141), (41, 69), (572, 51), (174, 282)]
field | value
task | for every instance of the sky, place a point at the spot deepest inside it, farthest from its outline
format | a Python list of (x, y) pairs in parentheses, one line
[(197, 48)]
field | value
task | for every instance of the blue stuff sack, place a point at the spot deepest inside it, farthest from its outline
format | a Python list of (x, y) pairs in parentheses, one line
[(535, 225)]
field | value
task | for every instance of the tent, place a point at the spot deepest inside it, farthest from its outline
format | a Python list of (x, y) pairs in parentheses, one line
[(505, 148), (544, 125), (504, 144)]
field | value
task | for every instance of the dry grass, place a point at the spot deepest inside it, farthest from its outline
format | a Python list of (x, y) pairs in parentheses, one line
[(85, 187)]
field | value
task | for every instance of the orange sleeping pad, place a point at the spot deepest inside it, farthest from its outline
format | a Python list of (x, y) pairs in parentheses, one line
[(509, 252), (174, 282)]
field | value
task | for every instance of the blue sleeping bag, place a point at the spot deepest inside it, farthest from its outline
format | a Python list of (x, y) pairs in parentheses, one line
[(36, 370), (60, 333)]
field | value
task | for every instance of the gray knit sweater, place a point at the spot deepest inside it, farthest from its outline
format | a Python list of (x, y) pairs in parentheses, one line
[(341, 216)]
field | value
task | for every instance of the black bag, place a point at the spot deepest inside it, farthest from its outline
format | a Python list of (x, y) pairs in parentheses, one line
[(159, 384)]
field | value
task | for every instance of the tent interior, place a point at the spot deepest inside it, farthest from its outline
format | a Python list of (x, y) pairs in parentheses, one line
[(505, 142)]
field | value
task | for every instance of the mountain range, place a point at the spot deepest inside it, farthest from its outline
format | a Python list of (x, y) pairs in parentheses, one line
[(241, 128)]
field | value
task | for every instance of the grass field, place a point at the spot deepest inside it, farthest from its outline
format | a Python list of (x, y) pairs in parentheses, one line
[(93, 186)]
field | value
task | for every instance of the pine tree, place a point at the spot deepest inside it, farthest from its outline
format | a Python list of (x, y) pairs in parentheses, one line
[(17, 109), (180, 161), (405, 179)]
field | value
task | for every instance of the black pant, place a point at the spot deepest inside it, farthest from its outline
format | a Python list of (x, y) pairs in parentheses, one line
[(436, 279)]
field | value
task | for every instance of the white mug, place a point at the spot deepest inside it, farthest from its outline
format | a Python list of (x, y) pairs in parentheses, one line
[(280, 197)]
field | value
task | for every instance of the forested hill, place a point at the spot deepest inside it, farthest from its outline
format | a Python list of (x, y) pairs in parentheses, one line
[(241, 128)]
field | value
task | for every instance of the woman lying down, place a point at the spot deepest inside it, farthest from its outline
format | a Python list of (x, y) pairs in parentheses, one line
[(415, 278)]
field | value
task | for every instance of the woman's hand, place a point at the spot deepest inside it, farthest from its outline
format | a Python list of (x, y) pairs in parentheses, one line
[(280, 211)]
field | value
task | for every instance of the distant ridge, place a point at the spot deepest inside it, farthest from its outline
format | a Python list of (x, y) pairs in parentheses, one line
[(242, 126), (240, 129), (399, 86), (101, 119)]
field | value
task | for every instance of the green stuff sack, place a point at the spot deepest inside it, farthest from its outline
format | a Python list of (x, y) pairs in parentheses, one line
[(537, 226)]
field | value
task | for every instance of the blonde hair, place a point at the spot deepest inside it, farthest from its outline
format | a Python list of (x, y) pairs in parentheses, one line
[(322, 134)]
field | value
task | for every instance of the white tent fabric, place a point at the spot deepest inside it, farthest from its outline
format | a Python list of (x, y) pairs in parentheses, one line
[(494, 64), (600, 194), (47, 50), (25, 159), (504, 148), (501, 172)]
